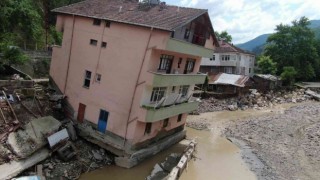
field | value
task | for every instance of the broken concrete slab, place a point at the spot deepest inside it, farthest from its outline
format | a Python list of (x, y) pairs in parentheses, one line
[(12, 169), (25, 142)]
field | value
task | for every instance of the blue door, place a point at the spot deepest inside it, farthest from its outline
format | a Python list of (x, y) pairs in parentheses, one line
[(103, 121)]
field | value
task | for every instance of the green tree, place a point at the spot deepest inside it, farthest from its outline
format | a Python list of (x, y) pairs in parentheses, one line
[(295, 46), (224, 35), (288, 75), (12, 56), (266, 65)]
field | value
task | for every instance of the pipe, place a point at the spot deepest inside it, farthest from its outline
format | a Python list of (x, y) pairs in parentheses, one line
[(135, 88), (69, 59)]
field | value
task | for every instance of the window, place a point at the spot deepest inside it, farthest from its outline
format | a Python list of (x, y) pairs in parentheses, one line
[(165, 63), (214, 57), (189, 65), (157, 94), (180, 61), (173, 89), (183, 90), (96, 22), (104, 44), (179, 118), (228, 70), (108, 23), (225, 57), (147, 130), (249, 70), (87, 79), (165, 123), (98, 78), (187, 34), (93, 42)]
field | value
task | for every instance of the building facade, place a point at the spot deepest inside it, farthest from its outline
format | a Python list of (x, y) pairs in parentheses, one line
[(229, 59), (128, 70)]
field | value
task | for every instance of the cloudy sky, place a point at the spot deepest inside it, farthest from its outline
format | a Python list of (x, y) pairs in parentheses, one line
[(247, 19)]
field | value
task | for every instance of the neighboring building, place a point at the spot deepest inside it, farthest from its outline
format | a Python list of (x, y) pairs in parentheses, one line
[(229, 59), (266, 82), (128, 71), (224, 85)]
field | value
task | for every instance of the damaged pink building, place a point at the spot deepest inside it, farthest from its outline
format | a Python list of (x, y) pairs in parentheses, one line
[(128, 70)]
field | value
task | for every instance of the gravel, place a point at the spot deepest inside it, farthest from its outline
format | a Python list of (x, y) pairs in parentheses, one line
[(288, 144)]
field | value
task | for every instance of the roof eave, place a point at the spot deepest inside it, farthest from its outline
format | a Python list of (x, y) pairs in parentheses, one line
[(109, 19)]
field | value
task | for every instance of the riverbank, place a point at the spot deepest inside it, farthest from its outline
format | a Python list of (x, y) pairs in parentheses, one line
[(276, 143)]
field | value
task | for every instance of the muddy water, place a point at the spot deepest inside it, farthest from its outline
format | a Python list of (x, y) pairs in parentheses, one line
[(217, 158)]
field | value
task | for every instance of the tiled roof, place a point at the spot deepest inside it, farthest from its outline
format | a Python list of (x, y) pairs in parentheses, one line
[(227, 47), (129, 11)]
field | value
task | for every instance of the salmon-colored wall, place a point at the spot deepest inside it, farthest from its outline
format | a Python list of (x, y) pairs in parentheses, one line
[(119, 64)]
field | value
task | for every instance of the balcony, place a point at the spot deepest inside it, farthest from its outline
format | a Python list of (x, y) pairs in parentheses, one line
[(228, 63), (168, 107), (162, 80), (184, 47)]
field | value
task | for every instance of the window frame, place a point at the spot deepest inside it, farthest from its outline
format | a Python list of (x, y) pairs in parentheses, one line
[(87, 79), (165, 62), (157, 94), (98, 78), (93, 42), (183, 90), (165, 123), (96, 22), (148, 128), (104, 44)]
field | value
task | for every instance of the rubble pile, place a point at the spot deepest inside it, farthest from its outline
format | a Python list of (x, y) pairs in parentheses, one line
[(253, 100), (89, 157)]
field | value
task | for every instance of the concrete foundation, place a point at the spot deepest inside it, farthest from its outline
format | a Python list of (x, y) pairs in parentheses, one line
[(151, 150), (127, 156)]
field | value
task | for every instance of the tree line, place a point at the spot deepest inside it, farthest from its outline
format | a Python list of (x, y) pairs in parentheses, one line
[(292, 52), (27, 24)]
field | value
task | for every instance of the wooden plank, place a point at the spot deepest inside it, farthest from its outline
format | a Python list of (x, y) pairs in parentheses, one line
[(14, 114), (24, 106), (4, 118)]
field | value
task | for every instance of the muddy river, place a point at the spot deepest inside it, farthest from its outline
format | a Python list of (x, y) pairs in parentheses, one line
[(216, 157)]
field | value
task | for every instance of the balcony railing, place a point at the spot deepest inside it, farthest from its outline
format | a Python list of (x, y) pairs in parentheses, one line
[(185, 47), (162, 80), (169, 106)]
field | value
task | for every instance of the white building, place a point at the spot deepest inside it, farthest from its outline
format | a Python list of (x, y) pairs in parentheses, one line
[(229, 59)]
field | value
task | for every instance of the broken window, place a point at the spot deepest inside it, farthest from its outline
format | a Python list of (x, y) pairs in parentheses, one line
[(183, 90), (104, 44), (165, 123), (98, 78), (93, 42), (96, 22), (147, 130), (87, 79), (157, 94)]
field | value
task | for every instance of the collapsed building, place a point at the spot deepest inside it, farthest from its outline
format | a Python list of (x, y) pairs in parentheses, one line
[(128, 70)]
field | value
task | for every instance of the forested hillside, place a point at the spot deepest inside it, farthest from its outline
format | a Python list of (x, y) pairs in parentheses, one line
[(29, 24)]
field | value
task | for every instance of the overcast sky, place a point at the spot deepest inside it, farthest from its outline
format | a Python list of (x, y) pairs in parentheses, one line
[(247, 19)]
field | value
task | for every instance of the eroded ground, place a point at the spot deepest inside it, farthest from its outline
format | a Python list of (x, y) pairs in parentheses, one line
[(285, 138)]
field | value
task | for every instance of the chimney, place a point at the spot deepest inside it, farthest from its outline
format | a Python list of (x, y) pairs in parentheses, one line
[(120, 9)]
